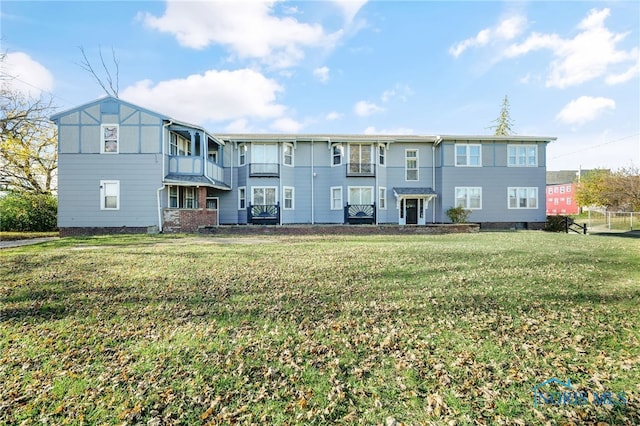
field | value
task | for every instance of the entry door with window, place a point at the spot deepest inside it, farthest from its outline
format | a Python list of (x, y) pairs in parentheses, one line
[(411, 206)]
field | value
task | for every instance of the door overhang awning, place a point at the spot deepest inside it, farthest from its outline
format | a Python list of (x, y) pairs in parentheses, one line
[(424, 192)]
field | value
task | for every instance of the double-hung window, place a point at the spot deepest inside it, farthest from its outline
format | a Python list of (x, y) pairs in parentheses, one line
[(469, 198), (336, 155), (382, 153), (288, 197), (109, 195), (287, 154), (411, 164), (523, 197), (179, 145), (336, 198), (212, 200), (522, 155), (242, 154), (468, 155), (242, 198), (382, 198), (110, 143)]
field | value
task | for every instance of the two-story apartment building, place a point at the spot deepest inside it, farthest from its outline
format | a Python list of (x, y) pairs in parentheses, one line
[(123, 168)]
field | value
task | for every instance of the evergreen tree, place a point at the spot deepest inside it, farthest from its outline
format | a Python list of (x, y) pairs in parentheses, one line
[(504, 124)]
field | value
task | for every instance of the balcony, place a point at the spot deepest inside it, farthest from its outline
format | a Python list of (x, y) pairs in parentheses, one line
[(263, 214), (264, 170), (361, 170)]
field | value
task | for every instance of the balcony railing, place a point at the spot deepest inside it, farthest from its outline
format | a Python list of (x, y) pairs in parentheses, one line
[(361, 169), (264, 170), (214, 171), (360, 214), (263, 214)]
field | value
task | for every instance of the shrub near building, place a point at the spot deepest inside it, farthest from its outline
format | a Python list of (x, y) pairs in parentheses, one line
[(24, 212)]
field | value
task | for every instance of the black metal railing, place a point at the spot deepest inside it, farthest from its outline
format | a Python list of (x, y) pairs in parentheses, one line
[(573, 226), (264, 214), (358, 214), (361, 169), (264, 170)]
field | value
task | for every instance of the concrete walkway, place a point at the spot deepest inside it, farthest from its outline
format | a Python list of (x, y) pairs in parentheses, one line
[(19, 243)]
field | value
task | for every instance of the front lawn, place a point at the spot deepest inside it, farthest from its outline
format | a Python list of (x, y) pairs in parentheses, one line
[(314, 330)]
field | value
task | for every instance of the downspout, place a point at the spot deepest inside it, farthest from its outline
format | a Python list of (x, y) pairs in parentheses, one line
[(437, 141), (313, 184), (164, 128), (376, 189)]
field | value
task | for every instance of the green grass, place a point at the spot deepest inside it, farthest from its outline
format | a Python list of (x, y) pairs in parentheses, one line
[(317, 330)]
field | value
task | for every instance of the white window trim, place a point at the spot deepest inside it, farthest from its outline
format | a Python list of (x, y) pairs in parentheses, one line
[(242, 154), (466, 206), (102, 139), (242, 190), (455, 155), (373, 194), (284, 163), (253, 188), (417, 169), (339, 188), (384, 154), (102, 194), (526, 157), (341, 147), (293, 198), (382, 195), (509, 189)]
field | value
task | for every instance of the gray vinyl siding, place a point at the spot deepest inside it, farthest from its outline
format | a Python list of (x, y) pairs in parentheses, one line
[(79, 189)]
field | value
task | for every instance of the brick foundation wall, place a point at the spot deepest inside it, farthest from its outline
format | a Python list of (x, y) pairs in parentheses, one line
[(342, 229), (534, 226), (97, 230)]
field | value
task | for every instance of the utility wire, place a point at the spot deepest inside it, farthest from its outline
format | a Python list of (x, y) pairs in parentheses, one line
[(596, 146)]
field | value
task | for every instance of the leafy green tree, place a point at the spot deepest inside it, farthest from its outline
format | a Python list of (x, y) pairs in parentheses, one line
[(504, 123), (592, 189), (22, 212), (618, 190)]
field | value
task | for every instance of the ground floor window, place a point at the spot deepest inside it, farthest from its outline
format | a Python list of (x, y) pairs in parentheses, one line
[(469, 197), (242, 198), (360, 195), (264, 195), (183, 197), (382, 198), (109, 195), (336, 198), (523, 197), (212, 200), (287, 197)]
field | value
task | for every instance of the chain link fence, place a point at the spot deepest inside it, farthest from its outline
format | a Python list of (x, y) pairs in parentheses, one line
[(618, 221)]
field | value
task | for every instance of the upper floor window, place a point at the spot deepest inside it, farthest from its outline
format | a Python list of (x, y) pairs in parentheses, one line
[(336, 155), (109, 195), (287, 154), (381, 155), (523, 198), (179, 145), (242, 154), (469, 197), (411, 164), (522, 155), (468, 155), (264, 159), (110, 139)]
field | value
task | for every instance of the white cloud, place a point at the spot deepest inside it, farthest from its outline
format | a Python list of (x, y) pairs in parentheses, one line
[(584, 109), (322, 74), (214, 95), (286, 125), (371, 130), (248, 29), (625, 76), (506, 29), (22, 74), (364, 108), (241, 125), (350, 8), (399, 91), (332, 116), (584, 57)]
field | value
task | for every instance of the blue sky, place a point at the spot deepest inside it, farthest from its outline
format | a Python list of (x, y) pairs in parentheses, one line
[(570, 69)]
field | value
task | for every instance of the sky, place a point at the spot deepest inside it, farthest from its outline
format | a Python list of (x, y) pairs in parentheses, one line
[(569, 69)]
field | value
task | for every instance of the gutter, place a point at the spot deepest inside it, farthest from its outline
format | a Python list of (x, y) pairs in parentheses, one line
[(164, 128)]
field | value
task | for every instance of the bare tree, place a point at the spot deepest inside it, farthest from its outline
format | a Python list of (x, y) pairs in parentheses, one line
[(110, 83)]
